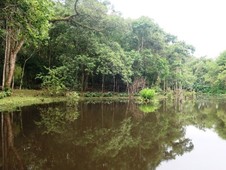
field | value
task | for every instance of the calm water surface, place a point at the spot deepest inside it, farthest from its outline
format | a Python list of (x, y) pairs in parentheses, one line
[(209, 152), (116, 135)]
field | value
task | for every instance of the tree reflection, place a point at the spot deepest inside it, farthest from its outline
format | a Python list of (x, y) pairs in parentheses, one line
[(108, 135), (111, 140), (10, 156), (209, 113), (103, 136), (55, 119)]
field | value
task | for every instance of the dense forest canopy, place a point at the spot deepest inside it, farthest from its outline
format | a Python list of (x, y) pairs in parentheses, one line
[(86, 45)]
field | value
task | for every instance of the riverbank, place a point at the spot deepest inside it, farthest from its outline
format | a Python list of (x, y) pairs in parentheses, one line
[(20, 98)]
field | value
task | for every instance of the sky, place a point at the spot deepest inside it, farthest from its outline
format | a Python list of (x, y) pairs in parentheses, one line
[(201, 23)]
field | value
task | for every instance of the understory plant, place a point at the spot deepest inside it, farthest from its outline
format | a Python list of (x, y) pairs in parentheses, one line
[(72, 98), (147, 95), (54, 80), (5, 93)]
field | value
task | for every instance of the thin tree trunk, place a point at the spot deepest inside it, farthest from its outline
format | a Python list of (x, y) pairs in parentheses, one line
[(116, 86), (86, 82), (164, 85), (127, 86), (82, 84), (92, 82), (114, 83), (102, 83), (6, 59), (23, 69)]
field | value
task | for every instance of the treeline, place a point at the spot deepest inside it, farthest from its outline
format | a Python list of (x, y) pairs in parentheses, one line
[(91, 47)]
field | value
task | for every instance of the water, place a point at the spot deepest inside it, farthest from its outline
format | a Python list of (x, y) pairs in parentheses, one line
[(116, 135), (209, 152)]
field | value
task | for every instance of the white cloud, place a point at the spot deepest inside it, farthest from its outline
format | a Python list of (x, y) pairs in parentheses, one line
[(198, 22)]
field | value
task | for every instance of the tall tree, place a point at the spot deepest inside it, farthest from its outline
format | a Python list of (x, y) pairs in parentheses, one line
[(26, 21)]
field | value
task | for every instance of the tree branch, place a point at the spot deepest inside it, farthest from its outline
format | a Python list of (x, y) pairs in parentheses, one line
[(86, 26), (18, 47), (66, 19), (72, 18), (75, 7)]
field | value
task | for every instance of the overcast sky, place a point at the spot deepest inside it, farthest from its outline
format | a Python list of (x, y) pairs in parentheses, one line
[(201, 23)]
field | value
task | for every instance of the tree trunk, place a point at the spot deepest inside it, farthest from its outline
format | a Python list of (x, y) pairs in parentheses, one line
[(12, 64), (23, 69), (164, 85), (6, 59), (11, 50), (13, 83), (86, 82), (127, 86), (102, 83), (82, 82), (114, 79)]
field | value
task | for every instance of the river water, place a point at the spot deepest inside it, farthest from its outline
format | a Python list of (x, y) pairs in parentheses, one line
[(116, 136)]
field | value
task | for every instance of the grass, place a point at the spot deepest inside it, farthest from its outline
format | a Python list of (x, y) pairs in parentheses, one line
[(20, 98)]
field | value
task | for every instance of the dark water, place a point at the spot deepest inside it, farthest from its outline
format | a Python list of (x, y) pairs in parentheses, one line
[(115, 136)]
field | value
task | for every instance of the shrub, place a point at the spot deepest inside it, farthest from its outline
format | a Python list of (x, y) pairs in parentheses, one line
[(5, 93), (108, 94), (92, 94), (147, 94), (54, 81), (72, 98)]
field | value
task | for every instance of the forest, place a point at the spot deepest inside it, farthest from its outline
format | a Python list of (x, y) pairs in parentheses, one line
[(86, 45), (68, 69)]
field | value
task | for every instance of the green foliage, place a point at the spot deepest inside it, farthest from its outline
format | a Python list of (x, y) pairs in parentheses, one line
[(72, 98), (98, 94), (147, 94), (54, 80), (147, 108), (29, 18), (93, 94), (17, 75), (99, 44), (107, 94), (5, 93), (21, 98), (122, 138), (55, 120)]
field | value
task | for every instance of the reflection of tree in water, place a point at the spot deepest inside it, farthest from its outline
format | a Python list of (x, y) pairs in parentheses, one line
[(10, 157), (113, 140), (144, 143), (214, 116), (56, 119), (103, 136), (111, 135), (208, 113)]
